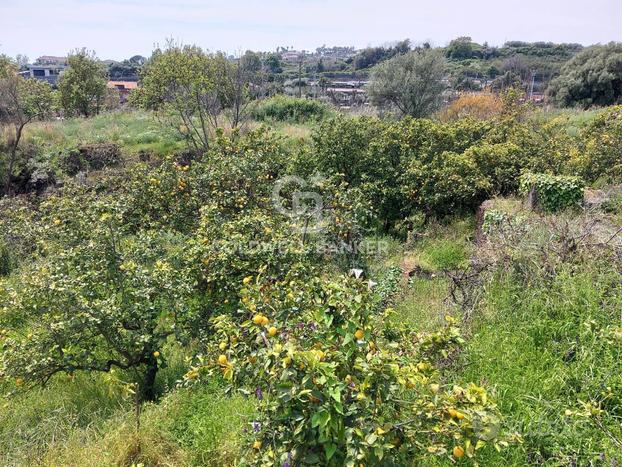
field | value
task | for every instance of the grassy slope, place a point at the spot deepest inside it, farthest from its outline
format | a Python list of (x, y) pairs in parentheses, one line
[(133, 131)]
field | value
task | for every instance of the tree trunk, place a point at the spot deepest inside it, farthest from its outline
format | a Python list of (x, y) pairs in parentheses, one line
[(12, 157), (148, 387)]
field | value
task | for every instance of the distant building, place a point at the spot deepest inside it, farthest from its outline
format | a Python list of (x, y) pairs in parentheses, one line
[(49, 73), (51, 60), (124, 88), (46, 68), (291, 56)]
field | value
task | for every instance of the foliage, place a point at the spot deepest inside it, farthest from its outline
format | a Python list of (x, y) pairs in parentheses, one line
[(190, 88), (592, 77), (107, 302), (411, 83), (553, 192), (181, 83), (371, 56), (329, 387), (552, 302), (483, 106), (290, 109), (447, 184), (82, 86), (22, 101), (602, 146)]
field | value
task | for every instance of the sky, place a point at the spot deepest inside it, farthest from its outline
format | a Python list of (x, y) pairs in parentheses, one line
[(118, 29)]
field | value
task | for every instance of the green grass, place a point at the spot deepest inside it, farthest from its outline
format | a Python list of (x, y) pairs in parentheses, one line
[(32, 422), (200, 426), (572, 119), (543, 350), (134, 131)]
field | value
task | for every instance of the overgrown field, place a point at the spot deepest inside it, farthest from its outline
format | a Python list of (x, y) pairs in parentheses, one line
[(317, 290)]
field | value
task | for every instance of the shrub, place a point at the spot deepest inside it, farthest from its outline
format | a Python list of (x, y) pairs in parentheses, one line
[(602, 146), (482, 106), (91, 157), (450, 183), (552, 192), (290, 109), (330, 389)]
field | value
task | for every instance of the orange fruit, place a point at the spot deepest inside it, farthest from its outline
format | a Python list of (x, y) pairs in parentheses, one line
[(272, 331), (458, 452), (359, 334)]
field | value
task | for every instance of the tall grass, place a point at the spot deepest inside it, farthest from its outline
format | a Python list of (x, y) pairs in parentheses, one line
[(134, 131)]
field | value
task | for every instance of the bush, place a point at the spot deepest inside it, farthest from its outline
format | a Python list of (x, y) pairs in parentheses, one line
[(450, 183), (331, 390), (290, 109), (602, 147), (482, 106), (552, 192), (91, 157)]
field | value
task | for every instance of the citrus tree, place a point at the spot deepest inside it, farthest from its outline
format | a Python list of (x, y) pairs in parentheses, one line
[(107, 301), (331, 389), (82, 85), (22, 101)]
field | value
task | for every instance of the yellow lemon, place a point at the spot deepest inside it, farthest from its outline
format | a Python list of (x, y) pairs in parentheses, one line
[(272, 331), (19, 382), (156, 354), (257, 319), (57, 221), (264, 321), (257, 445), (222, 359), (222, 345), (247, 280)]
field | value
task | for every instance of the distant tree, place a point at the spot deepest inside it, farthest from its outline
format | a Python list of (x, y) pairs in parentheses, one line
[(82, 85), (320, 66), (22, 101), (137, 60), (481, 106), (411, 83), (373, 55), (251, 62), (517, 66), (507, 80), (21, 61), (191, 90), (461, 48), (273, 63), (187, 87), (592, 77), (239, 82)]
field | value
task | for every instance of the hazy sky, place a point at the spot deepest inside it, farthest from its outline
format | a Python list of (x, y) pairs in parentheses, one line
[(120, 28)]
